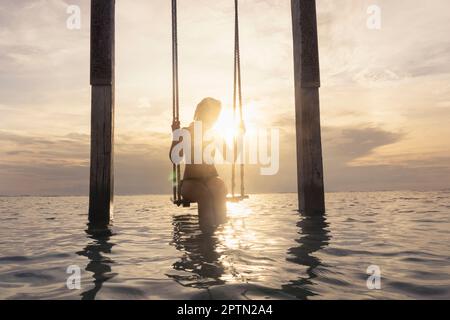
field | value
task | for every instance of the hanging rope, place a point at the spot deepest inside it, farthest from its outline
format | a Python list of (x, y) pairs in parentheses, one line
[(237, 101), (176, 171)]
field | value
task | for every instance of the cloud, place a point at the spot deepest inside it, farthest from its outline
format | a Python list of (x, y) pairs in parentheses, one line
[(60, 164), (344, 146), (384, 96), (348, 144), (411, 43)]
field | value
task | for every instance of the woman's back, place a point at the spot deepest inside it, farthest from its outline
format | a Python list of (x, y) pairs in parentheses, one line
[(198, 169)]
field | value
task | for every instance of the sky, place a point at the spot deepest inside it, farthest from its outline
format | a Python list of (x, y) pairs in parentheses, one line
[(385, 94)]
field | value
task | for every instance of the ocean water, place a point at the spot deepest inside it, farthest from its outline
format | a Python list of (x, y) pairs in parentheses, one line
[(267, 250)]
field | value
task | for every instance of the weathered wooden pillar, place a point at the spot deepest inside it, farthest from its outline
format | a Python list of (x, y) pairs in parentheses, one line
[(101, 192), (307, 110)]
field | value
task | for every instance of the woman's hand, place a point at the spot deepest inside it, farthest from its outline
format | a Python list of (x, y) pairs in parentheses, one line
[(175, 125)]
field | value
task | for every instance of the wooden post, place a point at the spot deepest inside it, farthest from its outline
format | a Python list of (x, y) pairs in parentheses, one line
[(101, 191), (307, 111)]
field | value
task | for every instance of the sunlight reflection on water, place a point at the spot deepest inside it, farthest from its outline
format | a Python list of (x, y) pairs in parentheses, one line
[(265, 250)]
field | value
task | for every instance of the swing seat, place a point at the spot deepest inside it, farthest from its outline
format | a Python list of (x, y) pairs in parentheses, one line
[(181, 202), (187, 204), (237, 198)]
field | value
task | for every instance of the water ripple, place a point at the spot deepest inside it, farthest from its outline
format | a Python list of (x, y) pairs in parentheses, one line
[(266, 250)]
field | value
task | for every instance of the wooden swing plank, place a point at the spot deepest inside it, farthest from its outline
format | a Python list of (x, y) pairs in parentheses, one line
[(187, 203), (237, 198)]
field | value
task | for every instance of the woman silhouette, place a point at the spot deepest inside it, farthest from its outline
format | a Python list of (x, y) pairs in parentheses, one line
[(201, 182)]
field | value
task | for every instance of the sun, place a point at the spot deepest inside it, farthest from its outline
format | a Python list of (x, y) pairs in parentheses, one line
[(226, 126)]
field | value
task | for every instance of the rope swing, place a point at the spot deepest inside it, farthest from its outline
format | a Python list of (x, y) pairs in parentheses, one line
[(237, 100), (176, 168), (237, 110)]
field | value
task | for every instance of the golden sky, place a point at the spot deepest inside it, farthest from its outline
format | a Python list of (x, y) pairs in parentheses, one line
[(385, 95)]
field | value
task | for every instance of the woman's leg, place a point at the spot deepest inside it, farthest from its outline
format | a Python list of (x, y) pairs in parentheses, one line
[(218, 191), (197, 191)]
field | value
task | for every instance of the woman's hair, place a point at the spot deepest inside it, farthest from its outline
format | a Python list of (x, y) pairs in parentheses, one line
[(208, 110)]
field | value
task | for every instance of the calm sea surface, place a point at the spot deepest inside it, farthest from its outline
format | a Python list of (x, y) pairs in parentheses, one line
[(266, 250)]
